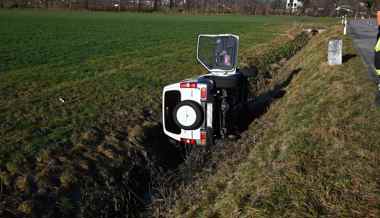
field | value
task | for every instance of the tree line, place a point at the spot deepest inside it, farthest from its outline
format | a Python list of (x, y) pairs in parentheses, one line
[(200, 6), (251, 7)]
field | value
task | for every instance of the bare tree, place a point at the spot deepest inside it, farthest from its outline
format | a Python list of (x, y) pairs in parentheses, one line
[(156, 4), (280, 4), (139, 5)]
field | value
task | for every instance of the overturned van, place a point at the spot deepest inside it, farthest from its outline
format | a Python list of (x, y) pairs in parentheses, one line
[(202, 109)]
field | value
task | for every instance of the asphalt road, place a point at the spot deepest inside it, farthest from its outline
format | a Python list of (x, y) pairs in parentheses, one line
[(363, 33)]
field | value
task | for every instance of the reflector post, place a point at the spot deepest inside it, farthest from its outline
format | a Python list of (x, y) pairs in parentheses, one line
[(188, 85)]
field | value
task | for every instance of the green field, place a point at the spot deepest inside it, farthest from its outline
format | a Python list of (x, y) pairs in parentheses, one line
[(100, 64), (62, 73)]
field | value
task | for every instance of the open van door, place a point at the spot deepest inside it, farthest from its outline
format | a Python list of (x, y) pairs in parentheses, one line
[(218, 53)]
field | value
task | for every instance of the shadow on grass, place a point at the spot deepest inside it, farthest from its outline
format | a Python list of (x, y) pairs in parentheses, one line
[(347, 57), (259, 105)]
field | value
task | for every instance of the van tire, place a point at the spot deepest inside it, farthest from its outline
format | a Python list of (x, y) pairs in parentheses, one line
[(198, 111)]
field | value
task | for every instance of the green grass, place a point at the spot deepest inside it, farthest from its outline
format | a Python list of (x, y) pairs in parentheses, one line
[(109, 68), (317, 148), (101, 64)]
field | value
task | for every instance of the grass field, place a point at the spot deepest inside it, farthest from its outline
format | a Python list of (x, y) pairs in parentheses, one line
[(63, 73), (99, 64)]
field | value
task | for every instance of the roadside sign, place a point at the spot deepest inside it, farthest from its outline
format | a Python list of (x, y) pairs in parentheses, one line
[(335, 52)]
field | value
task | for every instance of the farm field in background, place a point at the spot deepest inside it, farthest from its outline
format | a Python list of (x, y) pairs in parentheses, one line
[(66, 71)]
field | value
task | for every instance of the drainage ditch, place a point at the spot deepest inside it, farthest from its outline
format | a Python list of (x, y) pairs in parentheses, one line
[(175, 166)]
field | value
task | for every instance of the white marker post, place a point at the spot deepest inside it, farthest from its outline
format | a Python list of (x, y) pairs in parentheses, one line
[(335, 50), (345, 26)]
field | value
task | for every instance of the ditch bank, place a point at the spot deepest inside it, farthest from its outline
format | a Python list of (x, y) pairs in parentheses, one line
[(130, 171), (267, 84), (314, 153)]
